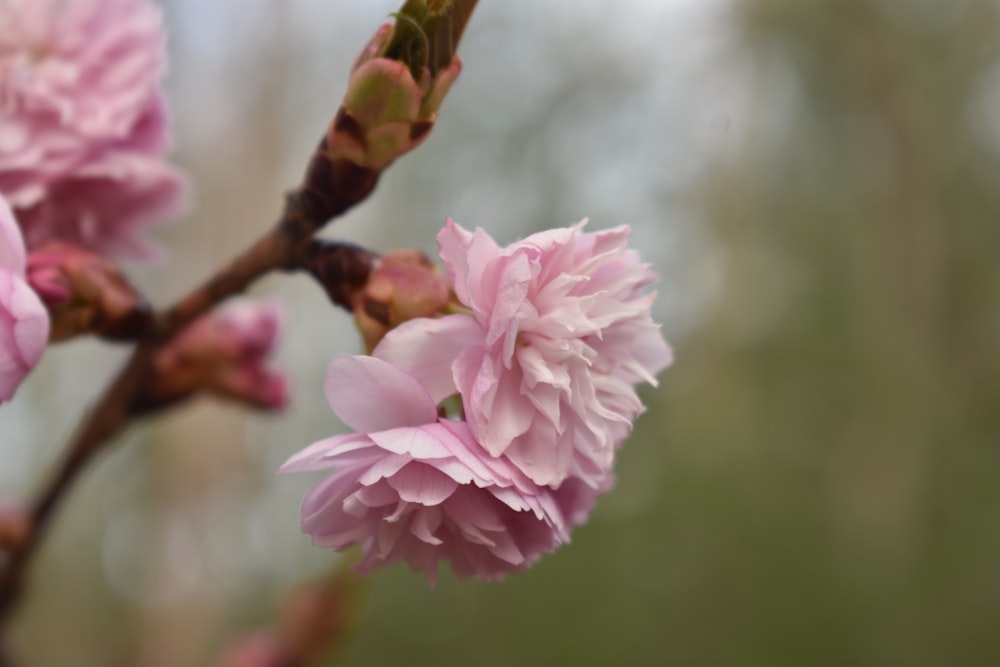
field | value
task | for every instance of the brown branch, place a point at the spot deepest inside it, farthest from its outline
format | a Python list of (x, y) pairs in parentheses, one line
[(275, 250), (104, 422), (342, 269)]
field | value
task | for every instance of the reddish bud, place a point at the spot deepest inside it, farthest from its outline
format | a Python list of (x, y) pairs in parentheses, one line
[(397, 85), (386, 112), (403, 285), (224, 353), (85, 294)]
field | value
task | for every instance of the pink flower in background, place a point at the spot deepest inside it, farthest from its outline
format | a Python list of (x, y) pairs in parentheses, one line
[(247, 333), (106, 205), (412, 486), (559, 335), (24, 322), (226, 353), (84, 130)]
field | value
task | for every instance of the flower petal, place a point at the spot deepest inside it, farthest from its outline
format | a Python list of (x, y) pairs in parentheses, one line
[(420, 443), (12, 255), (369, 394), (426, 348), (320, 455), (24, 332), (419, 483), (454, 242)]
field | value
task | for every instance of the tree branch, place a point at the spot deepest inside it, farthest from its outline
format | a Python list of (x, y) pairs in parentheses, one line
[(113, 411)]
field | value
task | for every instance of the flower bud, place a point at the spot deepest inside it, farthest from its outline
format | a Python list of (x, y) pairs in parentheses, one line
[(224, 353), (404, 285), (85, 294), (386, 112), (254, 384), (397, 85)]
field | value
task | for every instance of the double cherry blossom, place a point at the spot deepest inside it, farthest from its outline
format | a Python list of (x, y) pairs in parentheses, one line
[(410, 485), (545, 362), (84, 136)]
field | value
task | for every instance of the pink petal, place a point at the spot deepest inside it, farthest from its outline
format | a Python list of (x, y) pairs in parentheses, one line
[(12, 255), (454, 243), (508, 414), (425, 522), (386, 466), (418, 483), (652, 354), (340, 534), (509, 299), (326, 499), (475, 509), (560, 237), (474, 381), (24, 332), (426, 348), (506, 549), (483, 275), (542, 455), (459, 440), (319, 455), (377, 495), (420, 443), (369, 395)]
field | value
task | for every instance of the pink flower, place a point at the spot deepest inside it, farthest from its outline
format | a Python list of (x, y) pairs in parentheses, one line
[(412, 486), (84, 131), (24, 322), (547, 362)]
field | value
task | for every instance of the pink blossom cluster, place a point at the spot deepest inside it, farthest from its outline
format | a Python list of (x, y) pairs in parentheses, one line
[(545, 360), (84, 130), (82, 146)]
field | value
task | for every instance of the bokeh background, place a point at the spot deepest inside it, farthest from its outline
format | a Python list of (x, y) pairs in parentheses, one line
[(816, 479)]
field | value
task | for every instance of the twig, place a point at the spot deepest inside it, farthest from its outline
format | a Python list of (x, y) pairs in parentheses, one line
[(104, 422), (112, 413)]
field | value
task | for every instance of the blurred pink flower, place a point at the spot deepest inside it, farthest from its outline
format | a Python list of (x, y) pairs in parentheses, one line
[(24, 322), (412, 486), (559, 335), (225, 353), (84, 131)]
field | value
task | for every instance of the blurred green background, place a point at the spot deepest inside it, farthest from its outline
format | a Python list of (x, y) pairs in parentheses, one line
[(816, 479)]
